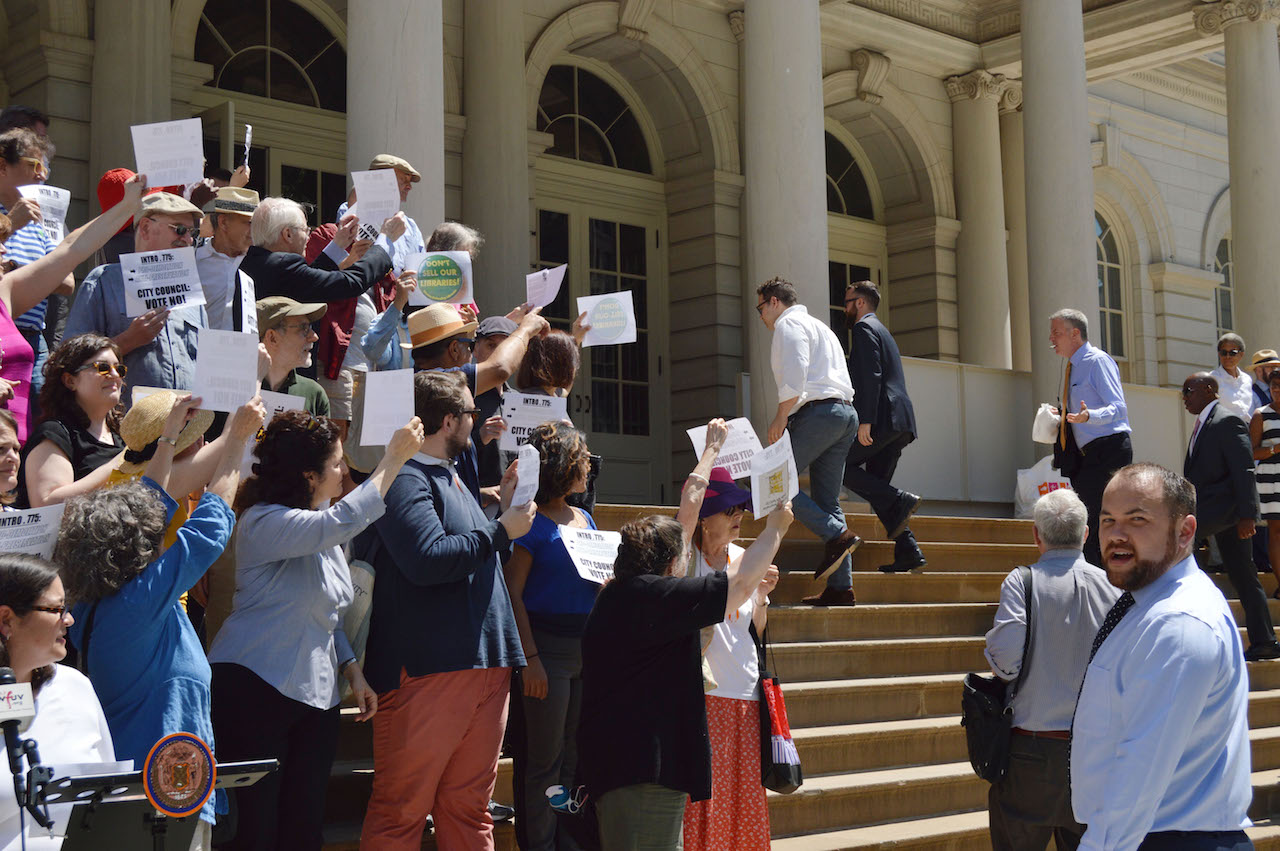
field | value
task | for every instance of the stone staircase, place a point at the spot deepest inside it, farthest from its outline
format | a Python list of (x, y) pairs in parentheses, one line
[(873, 696)]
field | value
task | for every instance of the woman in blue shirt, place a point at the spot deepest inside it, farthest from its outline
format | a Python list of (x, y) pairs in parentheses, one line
[(551, 602), (277, 658)]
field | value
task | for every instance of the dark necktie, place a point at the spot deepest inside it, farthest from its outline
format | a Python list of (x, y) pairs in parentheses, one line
[(1109, 622)]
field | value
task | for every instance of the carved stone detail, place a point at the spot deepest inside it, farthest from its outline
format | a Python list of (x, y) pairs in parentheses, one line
[(738, 24), (1213, 18), (633, 17), (1011, 100), (872, 69), (977, 85)]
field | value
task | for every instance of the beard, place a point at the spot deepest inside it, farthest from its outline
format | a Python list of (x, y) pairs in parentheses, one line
[(457, 443), (1146, 571)]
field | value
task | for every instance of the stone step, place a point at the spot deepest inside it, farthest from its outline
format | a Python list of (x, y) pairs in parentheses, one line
[(835, 660), (876, 587), (942, 557), (345, 836)]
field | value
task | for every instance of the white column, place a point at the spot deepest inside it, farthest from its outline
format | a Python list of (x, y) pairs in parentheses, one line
[(495, 149), (982, 273), (1059, 172), (131, 78), (395, 101), (1013, 160), (784, 166), (1253, 126)]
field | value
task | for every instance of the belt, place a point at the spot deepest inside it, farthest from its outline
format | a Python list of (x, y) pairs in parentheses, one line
[(827, 401), (1063, 735)]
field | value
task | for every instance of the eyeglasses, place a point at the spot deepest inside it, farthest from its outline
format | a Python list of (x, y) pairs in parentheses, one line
[(41, 167), (734, 511), (60, 611), (1230, 352), (105, 368), (466, 341), (181, 230), (760, 307), (474, 412), (304, 327)]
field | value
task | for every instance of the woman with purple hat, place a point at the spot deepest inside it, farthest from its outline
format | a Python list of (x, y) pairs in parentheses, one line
[(737, 815)]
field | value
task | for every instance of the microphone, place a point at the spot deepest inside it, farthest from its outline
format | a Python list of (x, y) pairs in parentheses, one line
[(17, 709)]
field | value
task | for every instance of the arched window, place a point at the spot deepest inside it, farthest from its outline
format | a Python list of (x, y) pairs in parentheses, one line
[(1223, 300), (847, 192), (590, 121), (1110, 336), (273, 49)]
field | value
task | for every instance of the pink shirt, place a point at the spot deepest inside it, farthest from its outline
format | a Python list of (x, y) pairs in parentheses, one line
[(16, 363)]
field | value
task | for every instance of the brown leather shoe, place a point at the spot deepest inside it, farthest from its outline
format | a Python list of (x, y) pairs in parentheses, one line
[(831, 597), (834, 553)]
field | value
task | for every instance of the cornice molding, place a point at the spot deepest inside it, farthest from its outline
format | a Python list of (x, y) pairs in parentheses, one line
[(633, 18), (977, 85), (1212, 18)]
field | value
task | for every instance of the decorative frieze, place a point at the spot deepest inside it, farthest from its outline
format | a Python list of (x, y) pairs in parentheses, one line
[(872, 69), (977, 85), (1213, 18)]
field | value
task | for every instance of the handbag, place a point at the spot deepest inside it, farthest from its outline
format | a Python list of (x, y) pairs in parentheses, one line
[(986, 708), (779, 760)]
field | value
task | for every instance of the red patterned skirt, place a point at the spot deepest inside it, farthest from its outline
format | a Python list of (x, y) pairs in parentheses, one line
[(737, 816)]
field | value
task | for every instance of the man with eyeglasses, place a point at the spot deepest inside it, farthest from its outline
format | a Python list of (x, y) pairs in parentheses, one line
[(158, 347), (284, 326), (1235, 385)]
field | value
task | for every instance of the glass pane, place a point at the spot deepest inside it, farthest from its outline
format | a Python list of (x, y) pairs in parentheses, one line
[(639, 299), (1224, 252), (1109, 245), (592, 147), (302, 185), (289, 84), (1098, 225), (838, 157), (628, 144), (635, 359), (562, 131), (597, 100), (633, 254), (835, 204), (604, 361), (603, 282), (1113, 287), (857, 196), (246, 73), (604, 246), (635, 409), (553, 238), (239, 23), (333, 191), (556, 97), (1225, 319), (837, 280), (1117, 335), (604, 407)]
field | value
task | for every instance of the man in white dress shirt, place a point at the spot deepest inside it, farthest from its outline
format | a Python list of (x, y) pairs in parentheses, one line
[(1160, 749), (228, 292), (1235, 385)]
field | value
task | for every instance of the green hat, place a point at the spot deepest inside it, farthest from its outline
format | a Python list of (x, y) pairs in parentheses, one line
[(275, 309)]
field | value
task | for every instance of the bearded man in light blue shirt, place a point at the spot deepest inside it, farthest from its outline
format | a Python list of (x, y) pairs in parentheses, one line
[(1160, 742)]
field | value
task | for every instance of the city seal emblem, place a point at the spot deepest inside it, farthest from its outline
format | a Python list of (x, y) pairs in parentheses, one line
[(178, 775)]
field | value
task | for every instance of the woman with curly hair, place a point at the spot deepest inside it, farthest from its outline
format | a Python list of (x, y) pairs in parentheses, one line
[(551, 602), (279, 657), (136, 644)]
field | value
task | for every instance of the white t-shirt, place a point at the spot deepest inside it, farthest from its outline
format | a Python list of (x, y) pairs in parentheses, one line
[(732, 654), (69, 728)]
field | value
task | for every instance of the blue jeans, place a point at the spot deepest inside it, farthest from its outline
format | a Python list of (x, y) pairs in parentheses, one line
[(821, 434)]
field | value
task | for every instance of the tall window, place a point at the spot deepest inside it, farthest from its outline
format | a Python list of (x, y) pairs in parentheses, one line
[(847, 192), (590, 121), (1110, 335), (273, 49), (1224, 294)]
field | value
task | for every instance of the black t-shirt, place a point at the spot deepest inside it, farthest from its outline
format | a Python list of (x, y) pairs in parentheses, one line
[(487, 454), (86, 452), (644, 718)]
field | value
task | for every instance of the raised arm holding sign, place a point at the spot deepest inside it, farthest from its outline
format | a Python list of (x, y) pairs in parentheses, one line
[(169, 153), (378, 194), (226, 370), (774, 480), (524, 412), (612, 318), (739, 447), (388, 405)]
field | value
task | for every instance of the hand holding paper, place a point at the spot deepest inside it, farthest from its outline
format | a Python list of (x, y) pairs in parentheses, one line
[(170, 153), (388, 404), (528, 467), (543, 286), (612, 318), (406, 442), (593, 551), (378, 194), (774, 480), (737, 449)]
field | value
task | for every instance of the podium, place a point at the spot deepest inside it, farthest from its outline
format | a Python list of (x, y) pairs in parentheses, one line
[(113, 810)]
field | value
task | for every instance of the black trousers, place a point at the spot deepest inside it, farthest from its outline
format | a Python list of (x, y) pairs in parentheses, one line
[(252, 720), (1237, 561), (1032, 803), (868, 472), (1197, 840), (1100, 459)]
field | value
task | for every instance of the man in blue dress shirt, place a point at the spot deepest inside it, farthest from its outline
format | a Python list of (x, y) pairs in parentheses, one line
[(1093, 439), (1160, 747)]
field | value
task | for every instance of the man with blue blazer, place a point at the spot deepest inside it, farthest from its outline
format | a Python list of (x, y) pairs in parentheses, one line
[(887, 423), (1219, 462)]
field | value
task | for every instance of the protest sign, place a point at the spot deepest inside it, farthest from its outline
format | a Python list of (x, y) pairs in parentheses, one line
[(612, 318), (593, 551), (773, 477), (443, 277), (542, 287), (388, 405), (166, 279), (248, 142), (276, 404), (739, 447), (53, 207), (378, 194), (526, 411), (528, 467), (169, 153), (367, 230), (226, 369), (33, 531)]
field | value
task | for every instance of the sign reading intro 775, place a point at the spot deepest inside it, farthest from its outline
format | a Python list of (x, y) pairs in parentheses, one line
[(444, 277)]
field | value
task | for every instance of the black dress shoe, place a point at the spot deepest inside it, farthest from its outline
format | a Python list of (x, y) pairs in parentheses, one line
[(831, 597), (834, 552), (907, 506), (904, 565), (1260, 652)]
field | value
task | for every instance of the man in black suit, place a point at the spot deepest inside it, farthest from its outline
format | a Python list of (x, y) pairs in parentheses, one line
[(1219, 463), (276, 264), (887, 424)]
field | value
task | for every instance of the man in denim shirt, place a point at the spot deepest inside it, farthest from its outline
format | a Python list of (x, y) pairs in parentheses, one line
[(159, 347)]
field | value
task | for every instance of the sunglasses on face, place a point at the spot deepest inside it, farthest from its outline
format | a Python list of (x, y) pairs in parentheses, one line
[(105, 368), (181, 230), (735, 511), (1230, 353)]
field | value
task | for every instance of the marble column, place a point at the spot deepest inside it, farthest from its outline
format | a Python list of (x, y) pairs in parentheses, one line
[(1253, 126), (495, 168), (395, 101), (1013, 160), (982, 273), (785, 231), (131, 78), (1059, 179)]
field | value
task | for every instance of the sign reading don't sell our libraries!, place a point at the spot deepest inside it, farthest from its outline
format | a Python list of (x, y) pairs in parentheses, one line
[(444, 277)]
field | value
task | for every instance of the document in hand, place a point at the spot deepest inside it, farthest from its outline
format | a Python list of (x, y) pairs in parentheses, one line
[(773, 477), (612, 318), (166, 278), (388, 405), (169, 153), (33, 531), (226, 369), (53, 207), (378, 194), (528, 468), (593, 551), (542, 287), (526, 411), (739, 447)]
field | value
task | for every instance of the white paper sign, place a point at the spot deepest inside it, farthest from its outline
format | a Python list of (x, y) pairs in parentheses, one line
[(248, 141), (739, 447), (542, 287), (248, 305), (528, 468), (526, 411), (612, 318), (53, 207), (593, 551), (444, 277), (141, 392), (226, 369), (169, 153), (32, 531), (773, 477), (276, 404), (366, 230), (388, 405), (378, 192), (167, 278)]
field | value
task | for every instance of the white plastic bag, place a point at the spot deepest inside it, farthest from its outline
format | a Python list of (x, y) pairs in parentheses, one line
[(1033, 483), (1045, 427)]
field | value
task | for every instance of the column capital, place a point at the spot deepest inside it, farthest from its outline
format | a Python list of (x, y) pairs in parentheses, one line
[(872, 69), (1011, 99), (738, 24), (1213, 18), (977, 85)]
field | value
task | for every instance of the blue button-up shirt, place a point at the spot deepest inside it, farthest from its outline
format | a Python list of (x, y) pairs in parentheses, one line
[(167, 361), (410, 242), (1161, 737), (1095, 380)]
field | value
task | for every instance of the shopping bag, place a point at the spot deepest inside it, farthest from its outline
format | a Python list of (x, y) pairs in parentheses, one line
[(779, 760), (1044, 429), (1033, 483)]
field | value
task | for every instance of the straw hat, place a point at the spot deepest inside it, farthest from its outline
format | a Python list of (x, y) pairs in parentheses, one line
[(233, 200), (144, 424), (436, 322), (1264, 356)]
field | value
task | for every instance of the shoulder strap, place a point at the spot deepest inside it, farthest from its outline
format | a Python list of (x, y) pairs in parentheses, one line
[(1025, 573), (88, 632)]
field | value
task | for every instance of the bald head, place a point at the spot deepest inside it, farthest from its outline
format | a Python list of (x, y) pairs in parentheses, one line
[(1198, 391)]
